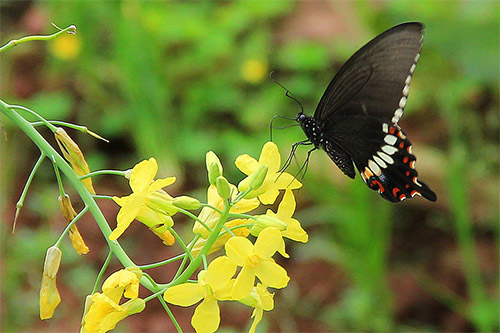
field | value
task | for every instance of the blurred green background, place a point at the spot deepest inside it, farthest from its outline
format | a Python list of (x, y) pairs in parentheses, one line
[(174, 80)]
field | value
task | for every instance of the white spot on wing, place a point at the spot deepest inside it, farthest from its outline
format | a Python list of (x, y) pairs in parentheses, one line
[(379, 162), (412, 69), (390, 139), (408, 80), (406, 90), (374, 168), (385, 128), (397, 115), (402, 103), (386, 157), (389, 149)]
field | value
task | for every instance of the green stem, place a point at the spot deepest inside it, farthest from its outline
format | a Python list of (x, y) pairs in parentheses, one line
[(101, 272), (164, 262), (71, 29), (193, 266), (77, 217), (42, 120), (170, 314), (20, 202), (103, 172)]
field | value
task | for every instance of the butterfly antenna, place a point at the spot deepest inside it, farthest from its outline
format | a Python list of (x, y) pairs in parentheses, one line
[(271, 125), (287, 92)]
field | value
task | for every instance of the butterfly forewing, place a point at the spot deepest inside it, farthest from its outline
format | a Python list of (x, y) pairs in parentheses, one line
[(375, 80)]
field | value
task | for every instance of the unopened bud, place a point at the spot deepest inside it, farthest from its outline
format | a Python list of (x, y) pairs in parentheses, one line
[(74, 156), (214, 167), (223, 188), (52, 262), (186, 202), (257, 178), (266, 221)]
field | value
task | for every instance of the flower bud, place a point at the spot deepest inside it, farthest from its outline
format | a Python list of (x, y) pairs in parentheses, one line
[(257, 178), (52, 262), (49, 295), (186, 202), (74, 156), (214, 167), (75, 236), (223, 188), (266, 221)]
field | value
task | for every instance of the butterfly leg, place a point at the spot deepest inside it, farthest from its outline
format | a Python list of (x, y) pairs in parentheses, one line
[(292, 154)]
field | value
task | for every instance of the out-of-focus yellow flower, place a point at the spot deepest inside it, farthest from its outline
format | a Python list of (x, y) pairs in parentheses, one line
[(223, 238), (254, 71), (256, 261), (69, 214), (49, 295), (148, 203), (210, 216), (66, 47), (74, 156), (286, 209), (274, 181), (213, 284), (104, 312), (261, 300)]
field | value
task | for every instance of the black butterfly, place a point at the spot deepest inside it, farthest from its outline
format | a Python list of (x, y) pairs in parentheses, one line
[(356, 119)]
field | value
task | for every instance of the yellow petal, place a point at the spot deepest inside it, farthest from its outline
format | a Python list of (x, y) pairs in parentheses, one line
[(268, 242), (295, 232), (122, 282), (246, 164), (270, 155), (185, 294), (127, 214), (206, 317), (238, 249), (287, 205), (269, 196), (143, 174), (272, 274), (219, 272), (49, 297), (161, 183), (285, 181), (244, 283), (245, 205)]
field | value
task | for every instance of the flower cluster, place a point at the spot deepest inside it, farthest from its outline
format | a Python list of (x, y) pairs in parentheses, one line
[(246, 270)]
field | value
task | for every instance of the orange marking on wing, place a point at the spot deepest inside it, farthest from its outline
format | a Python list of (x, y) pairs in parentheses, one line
[(407, 173), (392, 130), (412, 163), (414, 193), (405, 159), (395, 191), (402, 145)]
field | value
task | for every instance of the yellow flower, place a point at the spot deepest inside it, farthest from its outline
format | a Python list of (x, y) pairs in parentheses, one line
[(66, 47), (104, 311), (69, 214), (74, 156), (274, 181), (223, 237), (286, 208), (49, 295), (256, 261), (261, 300), (147, 202), (254, 71), (210, 216), (213, 284)]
